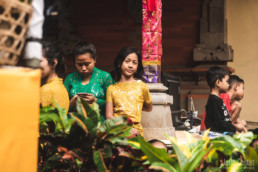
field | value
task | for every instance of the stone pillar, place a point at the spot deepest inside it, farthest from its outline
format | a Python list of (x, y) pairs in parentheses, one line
[(159, 121)]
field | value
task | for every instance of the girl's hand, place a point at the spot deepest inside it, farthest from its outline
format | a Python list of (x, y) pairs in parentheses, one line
[(89, 98), (135, 132)]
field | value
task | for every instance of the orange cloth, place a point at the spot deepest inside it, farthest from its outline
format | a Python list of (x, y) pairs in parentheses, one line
[(19, 111)]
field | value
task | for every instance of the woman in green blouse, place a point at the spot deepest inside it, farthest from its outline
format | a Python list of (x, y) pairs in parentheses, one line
[(88, 81)]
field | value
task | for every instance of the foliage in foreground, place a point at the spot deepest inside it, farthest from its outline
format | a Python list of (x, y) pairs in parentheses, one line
[(81, 143), (220, 154)]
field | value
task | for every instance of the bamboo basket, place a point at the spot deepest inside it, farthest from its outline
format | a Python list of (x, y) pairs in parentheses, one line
[(14, 22)]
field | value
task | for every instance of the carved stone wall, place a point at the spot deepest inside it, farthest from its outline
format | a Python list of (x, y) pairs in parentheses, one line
[(213, 33)]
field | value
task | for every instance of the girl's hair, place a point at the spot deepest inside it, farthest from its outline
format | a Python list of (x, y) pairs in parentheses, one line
[(51, 52), (124, 52), (84, 47)]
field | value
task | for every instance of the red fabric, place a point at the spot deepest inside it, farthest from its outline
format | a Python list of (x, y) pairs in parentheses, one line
[(151, 4), (203, 127), (227, 101)]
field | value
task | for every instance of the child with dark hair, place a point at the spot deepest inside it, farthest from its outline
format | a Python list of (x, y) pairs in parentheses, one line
[(235, 92), (129, 95), (231, 99), (52, 68), (217, 116)]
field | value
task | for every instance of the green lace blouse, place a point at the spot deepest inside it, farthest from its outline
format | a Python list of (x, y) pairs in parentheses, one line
[(99, 82)]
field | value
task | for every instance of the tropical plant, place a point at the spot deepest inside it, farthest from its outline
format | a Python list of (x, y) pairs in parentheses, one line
[(223, 153), (80, 142)]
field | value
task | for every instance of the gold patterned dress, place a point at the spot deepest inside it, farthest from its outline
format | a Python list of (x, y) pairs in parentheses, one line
[(128, 100), (54, 89)]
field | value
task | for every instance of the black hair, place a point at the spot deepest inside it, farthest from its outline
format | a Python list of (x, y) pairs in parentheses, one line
[(51, 52), (215, 73), (84, 47), (123, 53), (234, 79)]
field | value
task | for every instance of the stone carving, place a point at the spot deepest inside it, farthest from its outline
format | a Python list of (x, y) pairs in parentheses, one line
[(213, 33)]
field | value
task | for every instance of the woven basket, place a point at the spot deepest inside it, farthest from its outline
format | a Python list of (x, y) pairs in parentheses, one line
[(14, 21)]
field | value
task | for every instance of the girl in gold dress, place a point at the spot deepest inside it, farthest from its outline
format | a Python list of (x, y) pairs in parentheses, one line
[(52, 87), (129, 95)]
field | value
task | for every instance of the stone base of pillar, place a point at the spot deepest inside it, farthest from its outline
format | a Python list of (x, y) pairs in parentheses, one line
[(159, 121)]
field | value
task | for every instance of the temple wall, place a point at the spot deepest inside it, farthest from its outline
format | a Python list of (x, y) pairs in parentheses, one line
[(243, 36)]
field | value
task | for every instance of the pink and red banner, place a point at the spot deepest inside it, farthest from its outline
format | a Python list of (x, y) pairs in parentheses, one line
[(151, 40)]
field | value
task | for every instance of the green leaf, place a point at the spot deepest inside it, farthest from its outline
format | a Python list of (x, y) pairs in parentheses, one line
[(89, 115), (227, 145), (47, 117), (162, 166), (251, 161), (118, 129), (79, 163), (79, 107), (99, 161), (125, 132), (182, 159), (115, 140), (133, 142), (109, 123), (244, 138), (107, 151), (196, 159), (233, 165), (62, 114), (154, 154), (193, 146), (47, 109), (80, 120), (69, 125)]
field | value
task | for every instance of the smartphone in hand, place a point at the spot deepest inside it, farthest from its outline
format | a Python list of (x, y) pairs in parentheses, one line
[(83, 95)]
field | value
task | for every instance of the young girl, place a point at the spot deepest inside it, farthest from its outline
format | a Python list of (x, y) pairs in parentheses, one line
[(52, 87), (129, 96)]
